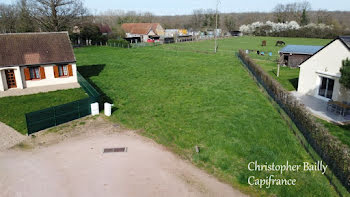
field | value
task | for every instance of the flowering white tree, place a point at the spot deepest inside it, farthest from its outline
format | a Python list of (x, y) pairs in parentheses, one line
[(318, 26), (272, 27)]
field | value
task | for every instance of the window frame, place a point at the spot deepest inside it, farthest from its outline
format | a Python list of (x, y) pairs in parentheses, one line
[(34, 73), (61, 71), (324, 92)]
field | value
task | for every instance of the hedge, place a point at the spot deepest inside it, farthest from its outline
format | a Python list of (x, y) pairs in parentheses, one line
[(329, 148)]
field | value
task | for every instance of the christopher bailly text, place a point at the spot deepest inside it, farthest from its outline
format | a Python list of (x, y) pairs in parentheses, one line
[(281, 168)]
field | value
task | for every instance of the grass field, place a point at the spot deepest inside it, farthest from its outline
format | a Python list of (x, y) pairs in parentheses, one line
[(342, 132), (183, 98), (14, 108), (288, 76)]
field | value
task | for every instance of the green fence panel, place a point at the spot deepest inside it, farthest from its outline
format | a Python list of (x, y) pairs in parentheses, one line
[(84, 107), (40, 115), (67, 112), (89, 89), (60, 114), (40, 120)]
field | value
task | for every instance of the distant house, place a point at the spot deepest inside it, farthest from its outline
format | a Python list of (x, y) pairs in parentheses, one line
[(175, 32), (294, 55), (105, 29), (142, 31), (215, 32), (236, 33), (76, 30), (319, 74), (36, 59)]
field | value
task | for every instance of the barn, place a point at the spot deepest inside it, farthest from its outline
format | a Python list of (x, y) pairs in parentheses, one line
[(142, 31), (293, 55)]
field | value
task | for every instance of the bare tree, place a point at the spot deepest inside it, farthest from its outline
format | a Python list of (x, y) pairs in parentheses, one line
[(279, 12), (291, 11), (229, 23), (198, 18), (323, 16), (25, 21), (57, 15), (147, 17), (204, 19), (8, 18), (210, 18)]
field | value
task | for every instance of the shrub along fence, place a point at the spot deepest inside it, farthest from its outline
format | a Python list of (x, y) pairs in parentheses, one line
[(330, 149), (53, 116)]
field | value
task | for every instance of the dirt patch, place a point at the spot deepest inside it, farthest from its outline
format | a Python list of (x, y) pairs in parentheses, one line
[(69, 161)]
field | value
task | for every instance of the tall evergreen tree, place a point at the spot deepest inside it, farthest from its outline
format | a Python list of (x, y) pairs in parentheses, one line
[(304, 18)]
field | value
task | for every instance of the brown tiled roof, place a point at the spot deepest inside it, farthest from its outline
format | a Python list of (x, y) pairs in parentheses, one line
[(139, 28), (105, 28), (35, 48)]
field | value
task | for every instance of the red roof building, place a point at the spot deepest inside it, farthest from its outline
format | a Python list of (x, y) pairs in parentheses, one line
[(143, 30)]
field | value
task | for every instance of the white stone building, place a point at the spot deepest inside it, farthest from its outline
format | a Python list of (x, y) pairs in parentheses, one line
[(36, 59), (319, 75)]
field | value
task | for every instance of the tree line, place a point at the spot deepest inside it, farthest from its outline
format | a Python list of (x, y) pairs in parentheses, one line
[(41, 15), (63, 15)]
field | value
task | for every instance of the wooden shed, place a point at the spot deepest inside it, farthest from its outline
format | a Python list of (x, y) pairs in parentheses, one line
[(294, 55)]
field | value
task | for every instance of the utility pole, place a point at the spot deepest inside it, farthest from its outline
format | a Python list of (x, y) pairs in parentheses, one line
[(216, 25)]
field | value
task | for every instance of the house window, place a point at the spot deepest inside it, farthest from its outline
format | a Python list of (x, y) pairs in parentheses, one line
[(62, 70), (34, 72), (326, 88)]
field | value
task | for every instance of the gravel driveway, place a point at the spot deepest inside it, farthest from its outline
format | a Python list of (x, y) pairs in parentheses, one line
[(72, 163), (9, 137)]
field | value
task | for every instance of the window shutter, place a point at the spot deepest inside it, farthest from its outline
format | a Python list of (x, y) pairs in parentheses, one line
[(55, 71), (27, 74), (42, 73), (70, 71)]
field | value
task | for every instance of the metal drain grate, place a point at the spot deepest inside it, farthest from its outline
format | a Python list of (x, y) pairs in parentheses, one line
[(115, 150)]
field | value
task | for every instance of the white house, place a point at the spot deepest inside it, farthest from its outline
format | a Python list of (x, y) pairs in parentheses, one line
[(319, 74), (36, 59)]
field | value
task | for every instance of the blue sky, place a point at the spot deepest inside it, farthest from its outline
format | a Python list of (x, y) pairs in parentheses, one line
[(174, 7)]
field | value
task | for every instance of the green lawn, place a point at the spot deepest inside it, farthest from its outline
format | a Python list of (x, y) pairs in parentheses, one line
[(342, 132), (182, 99), (14, 108), (288, 77)]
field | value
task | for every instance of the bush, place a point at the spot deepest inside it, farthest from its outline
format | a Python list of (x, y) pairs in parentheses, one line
[(118, 43), (330, 149), (345, 74)]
